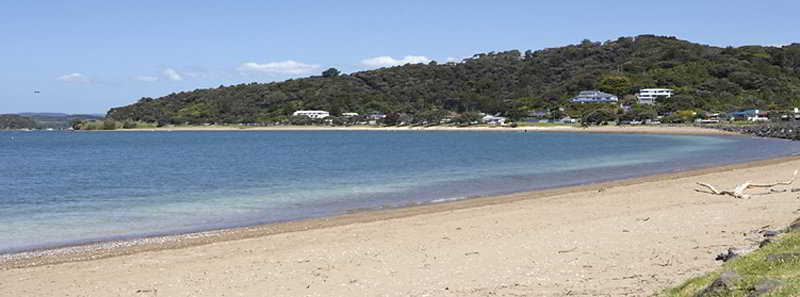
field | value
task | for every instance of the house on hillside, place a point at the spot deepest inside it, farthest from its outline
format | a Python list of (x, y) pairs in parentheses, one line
[(314, 114), (649, 96), (594, 97)]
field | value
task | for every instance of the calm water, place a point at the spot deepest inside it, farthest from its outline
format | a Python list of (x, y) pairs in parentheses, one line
[(64, 188)]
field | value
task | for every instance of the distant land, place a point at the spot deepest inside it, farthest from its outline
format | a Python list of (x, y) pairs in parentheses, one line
[(43, 120), (510, 83)]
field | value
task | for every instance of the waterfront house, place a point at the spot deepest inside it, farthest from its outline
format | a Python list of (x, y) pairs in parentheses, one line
[(314, 114), (594, 97), (376, 115), (494, 120), (649, 96), (753, 115)]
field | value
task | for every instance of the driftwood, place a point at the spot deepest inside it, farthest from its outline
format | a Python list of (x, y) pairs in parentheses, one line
[(738, 192)]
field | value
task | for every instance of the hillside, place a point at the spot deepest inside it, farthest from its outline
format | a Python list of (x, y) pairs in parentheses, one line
[(12, 121), (46, 120), (512, 83)]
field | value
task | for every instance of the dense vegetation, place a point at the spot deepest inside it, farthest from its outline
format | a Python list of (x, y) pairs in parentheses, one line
[(46, 120), (12, 121), (511, 83)]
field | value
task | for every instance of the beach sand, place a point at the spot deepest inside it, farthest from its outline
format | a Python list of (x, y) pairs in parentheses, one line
[(627, 238)]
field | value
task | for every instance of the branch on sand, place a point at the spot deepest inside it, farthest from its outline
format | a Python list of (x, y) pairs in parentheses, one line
[(738, 192)]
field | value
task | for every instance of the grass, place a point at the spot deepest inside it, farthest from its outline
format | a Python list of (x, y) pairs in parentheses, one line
[(752, 269)]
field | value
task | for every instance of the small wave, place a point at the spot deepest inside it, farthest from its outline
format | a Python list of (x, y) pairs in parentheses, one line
[(441, 200)]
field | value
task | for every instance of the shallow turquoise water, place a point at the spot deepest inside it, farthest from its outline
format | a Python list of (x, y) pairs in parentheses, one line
[(66, 188)]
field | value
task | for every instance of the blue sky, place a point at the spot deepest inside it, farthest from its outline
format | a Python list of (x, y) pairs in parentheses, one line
[(88, 56)]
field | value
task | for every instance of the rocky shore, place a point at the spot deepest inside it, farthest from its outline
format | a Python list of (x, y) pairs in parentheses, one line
[(784, 130)]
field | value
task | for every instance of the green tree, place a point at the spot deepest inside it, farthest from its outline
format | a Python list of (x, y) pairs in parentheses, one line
[(619, 85), (331, 72)]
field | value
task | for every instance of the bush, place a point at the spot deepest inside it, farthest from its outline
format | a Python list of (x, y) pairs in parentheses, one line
[(109, 125), (129, 125)]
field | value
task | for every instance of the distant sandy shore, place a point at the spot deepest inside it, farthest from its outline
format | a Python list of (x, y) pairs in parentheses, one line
[(632, 238), (596, 129)]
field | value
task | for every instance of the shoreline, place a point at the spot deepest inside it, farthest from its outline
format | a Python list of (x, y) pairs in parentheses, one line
[(116, 248), (675, 130)]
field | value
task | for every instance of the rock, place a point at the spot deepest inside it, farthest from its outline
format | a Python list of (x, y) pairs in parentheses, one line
[(787, 130), (765, 287), (770, 233), (727, 256), (784, 257), (725, 282), (732, 253), (764, 243)]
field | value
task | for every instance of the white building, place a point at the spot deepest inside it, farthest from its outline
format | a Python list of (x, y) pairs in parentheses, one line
[(349, 114), (594, 97), (494, 120), (314, 114), (649, 96)]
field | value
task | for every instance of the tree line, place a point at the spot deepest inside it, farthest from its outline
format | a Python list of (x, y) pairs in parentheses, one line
[(511, 83)]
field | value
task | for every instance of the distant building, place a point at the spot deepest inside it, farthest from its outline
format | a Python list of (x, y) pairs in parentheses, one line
[(753, 115), (539, 114), (314, 114), (594, 97), (649, 96), (376, 116), (349, 114), (494, 120)]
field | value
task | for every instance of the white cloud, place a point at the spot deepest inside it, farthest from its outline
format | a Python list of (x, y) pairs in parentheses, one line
[(285, 67), (387, 61), (456, 59), (171, 74), (74, 77), (146, 78)]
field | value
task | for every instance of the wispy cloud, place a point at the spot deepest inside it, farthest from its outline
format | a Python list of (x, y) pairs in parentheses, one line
[(74, 78), (285, 67), (172, 74), (387, 61), (146, 78)]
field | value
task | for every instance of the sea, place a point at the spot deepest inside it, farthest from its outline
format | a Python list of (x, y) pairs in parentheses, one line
[(60, 188)]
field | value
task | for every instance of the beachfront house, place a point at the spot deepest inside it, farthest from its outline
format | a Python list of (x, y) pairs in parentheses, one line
[(314, 114), (752, 115), (649, 96), (376, 115), (494, 120), (594, 97)]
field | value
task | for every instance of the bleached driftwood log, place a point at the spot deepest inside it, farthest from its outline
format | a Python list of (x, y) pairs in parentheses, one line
[(738, 192)]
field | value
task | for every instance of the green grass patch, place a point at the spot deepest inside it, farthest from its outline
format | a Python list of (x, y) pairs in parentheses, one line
[(752, 269)]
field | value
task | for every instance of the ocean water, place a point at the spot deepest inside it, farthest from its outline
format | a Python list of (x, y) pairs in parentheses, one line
[(69, 188)]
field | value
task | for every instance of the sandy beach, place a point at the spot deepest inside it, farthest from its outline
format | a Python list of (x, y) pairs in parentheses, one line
[(626, 238), (680, 130)]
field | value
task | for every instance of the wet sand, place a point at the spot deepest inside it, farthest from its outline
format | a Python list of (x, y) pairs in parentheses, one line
[(632, 238)]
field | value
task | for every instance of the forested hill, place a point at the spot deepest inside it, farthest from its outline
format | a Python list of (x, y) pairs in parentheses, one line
[(12, 121), (704, 78)]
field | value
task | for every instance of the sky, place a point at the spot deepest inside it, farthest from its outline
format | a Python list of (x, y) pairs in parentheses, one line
[(88, 56)]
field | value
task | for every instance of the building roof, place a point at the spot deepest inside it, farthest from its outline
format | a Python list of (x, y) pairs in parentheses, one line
[(593, 94)]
